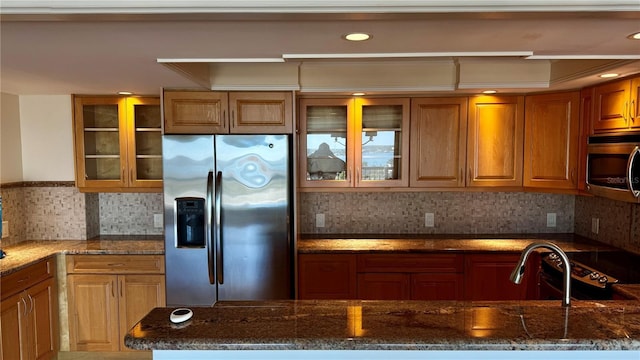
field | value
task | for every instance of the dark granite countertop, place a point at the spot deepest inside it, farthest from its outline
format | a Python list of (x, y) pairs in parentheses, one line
[(26, 253), (409, 243), (394, 325)]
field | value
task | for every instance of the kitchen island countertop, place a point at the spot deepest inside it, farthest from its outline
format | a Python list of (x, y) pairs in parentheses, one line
[(26, 253), (394, 325)]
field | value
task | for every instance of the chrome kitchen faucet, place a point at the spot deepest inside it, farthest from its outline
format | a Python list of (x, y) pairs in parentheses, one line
[(518, 272)]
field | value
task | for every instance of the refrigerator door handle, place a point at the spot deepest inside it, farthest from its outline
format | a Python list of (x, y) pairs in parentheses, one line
[(209, 229), (218, 228)]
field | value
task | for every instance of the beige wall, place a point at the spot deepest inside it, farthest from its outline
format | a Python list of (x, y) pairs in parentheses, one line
[(10, 143), (47, 138), (36, 138)]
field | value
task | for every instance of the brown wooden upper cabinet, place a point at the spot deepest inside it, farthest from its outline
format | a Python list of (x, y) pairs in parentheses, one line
[(551, 140), (438, 142), (346, 142), (212, 112), (495, 136), (118, 143), (616, 106)]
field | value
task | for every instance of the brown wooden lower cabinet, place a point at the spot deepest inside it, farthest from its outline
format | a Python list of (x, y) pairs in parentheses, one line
[(384, 286), (326, 276), (437, 276), (437, 286), (29, 325), (108, 295), (486, 277)]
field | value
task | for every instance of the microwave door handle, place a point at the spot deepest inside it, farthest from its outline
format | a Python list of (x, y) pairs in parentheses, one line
[(218, 229), (209, 229), (630, 179)]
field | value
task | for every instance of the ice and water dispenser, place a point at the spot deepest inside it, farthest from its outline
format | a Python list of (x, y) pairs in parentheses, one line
[(190, 222)]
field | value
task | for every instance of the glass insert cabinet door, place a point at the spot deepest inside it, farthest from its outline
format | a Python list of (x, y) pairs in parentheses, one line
[(145, 142), (118, 142), (101, 142), (354, 142), (326, 127), (382, 147)]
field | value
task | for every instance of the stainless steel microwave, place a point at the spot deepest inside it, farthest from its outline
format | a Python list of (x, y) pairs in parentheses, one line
[(613, 167)]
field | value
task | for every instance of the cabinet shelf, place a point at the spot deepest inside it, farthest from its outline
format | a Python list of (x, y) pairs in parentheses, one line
[(97, 129), (101, 156), (381, 129)]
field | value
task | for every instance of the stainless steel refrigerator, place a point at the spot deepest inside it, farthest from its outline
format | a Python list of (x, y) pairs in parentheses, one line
[(227, 218)]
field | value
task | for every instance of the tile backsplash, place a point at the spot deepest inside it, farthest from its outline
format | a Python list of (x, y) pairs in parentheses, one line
[(38, 211), (129, 213), (53, 211), (58, 211), (619, 222), (454, 212)]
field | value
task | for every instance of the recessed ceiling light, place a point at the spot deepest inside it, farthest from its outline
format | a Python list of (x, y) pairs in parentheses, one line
[(489, 92), (634, 36), (357, 37), (609, 75), (358, 94), (125, 93)]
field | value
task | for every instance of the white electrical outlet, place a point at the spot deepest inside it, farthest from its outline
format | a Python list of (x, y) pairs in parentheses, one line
[(157, 220), (595, 225), (5, 229), (551, 219), (429, 220), (319, 220)]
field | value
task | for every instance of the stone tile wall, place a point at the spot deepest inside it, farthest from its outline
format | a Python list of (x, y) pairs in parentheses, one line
[(58, 211), (13, 212), (42, 212), (619, 221), (454, 212), (130, 213)]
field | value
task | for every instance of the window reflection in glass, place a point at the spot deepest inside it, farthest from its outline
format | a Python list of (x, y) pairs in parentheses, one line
[(381, 142), (326, 142)]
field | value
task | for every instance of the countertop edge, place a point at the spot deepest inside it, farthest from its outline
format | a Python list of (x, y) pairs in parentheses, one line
[(39, 250), (442, 344)]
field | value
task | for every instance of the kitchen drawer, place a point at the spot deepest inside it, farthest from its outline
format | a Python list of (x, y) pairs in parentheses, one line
[(424, 263), (22, 279), (115, 264)]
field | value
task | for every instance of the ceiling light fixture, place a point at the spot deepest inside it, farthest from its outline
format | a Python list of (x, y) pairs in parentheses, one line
[(488, 92), (357, 37), (358, 94), (634, 36), (609, 75), (125, 93)]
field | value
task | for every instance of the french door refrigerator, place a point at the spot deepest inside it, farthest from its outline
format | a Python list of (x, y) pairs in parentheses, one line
[(227, 218)]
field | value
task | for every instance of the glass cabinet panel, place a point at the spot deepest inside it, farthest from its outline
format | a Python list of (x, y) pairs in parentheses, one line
[(101, 142), (326, 142), (382, 151), (148, 141), (354, 142), (381, 140)]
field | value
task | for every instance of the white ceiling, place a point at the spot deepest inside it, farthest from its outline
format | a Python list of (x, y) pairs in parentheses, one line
[(101, 47)]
